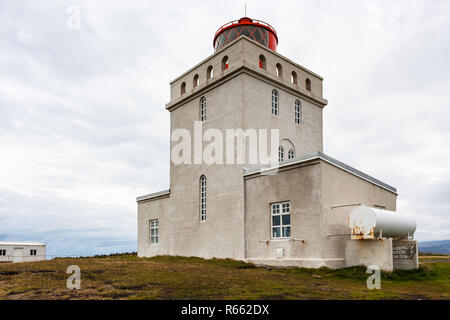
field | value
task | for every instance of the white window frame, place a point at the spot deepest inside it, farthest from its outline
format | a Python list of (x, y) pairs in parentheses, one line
[(154, 236), (275, 103), (202, 109), (298, 112), (202, 190), (33, 252), (280, 209), (2, 252)]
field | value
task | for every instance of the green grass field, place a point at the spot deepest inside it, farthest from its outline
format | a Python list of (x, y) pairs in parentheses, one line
[(129, 277)]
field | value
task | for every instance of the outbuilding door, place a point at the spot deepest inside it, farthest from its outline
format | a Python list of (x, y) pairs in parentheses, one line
[(18, 255)]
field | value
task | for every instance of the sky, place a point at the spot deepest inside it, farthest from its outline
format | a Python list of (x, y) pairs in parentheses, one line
[(83, 129)]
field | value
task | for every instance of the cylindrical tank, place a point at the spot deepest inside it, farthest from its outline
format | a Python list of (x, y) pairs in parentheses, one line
[(371, 223), (257, 30)]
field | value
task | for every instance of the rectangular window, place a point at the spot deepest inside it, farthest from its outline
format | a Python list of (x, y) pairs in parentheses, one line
[(2, 252), (281, 220), (33, 252), (154, 236)]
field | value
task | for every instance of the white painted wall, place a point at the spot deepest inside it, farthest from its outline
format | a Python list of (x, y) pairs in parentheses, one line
[(21, 252)]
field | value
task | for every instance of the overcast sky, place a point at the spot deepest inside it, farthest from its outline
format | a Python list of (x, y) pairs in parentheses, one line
[(83, 129)]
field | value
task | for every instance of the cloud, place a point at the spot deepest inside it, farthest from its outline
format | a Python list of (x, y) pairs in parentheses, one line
[(83, 129)]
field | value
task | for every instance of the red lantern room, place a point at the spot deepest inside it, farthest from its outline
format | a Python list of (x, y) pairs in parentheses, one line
[(257, 30)]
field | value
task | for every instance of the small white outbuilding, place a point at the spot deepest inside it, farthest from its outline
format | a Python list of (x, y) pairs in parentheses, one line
[(22, 251)]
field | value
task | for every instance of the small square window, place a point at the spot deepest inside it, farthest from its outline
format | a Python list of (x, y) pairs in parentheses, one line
[(2, 252), (33, 252)]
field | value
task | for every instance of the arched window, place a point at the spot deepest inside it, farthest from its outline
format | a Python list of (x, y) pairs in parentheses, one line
[(209, 73), (262, 62), (202, 109), (275, 102), (298, 112), (308, 84), (280, 154), (195, 81), (183, 88), (279, 70), (224, 63), (294, 77), (203, 198), (291, 154)]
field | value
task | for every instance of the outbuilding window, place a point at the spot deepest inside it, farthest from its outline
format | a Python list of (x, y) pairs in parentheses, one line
[(2, 252), (281, 220), (203, 198), (275, 102), (33, 252), (203, 109), (154, 233), (298, 112)]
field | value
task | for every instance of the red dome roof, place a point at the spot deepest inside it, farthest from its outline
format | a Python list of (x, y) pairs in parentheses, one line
[(257, 30)]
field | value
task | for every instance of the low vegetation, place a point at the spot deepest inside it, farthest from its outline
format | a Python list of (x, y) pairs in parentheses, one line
[(128, 277)]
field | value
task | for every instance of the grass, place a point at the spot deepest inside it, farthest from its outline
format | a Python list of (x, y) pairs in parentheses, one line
[(129, 277)]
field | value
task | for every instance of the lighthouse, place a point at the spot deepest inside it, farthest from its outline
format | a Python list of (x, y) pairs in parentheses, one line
[(291, 213)]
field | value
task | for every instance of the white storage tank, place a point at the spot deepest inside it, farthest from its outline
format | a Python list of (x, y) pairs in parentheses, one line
[(372, 223)]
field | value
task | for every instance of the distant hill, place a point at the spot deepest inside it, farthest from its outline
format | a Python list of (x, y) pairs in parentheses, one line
[(442, 246)]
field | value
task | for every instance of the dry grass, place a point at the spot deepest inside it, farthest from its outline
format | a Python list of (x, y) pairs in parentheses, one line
[(129, 277)]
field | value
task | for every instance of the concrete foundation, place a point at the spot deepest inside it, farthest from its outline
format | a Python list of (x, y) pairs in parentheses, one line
[(405, 254), (368, 253)]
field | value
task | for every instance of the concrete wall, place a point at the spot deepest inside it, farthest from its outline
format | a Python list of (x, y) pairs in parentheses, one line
[(321, 197), (306, 137), (368, 253), (12, 252), (251, 52), (405, 254), (341, 193), (300, 186), (234, 53), (158, 208), (221, 235)]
